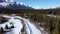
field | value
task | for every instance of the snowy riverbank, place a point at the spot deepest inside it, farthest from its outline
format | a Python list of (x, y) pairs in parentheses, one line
[(30, 28)]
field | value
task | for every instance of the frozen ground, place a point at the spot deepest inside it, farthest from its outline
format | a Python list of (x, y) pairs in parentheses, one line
[(30, 28)]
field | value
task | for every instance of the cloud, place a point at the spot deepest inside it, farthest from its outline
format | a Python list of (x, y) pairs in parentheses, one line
[(36, 7), (21, 3), (9, 0), (57, 6)]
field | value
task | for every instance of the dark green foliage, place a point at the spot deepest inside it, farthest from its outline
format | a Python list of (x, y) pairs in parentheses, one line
[(3, 20), (6, 27), (12, 26), (1, 30), (50, 12)]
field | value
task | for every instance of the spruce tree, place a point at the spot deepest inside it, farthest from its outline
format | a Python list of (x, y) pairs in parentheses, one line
[(6, 27), (1, 30)]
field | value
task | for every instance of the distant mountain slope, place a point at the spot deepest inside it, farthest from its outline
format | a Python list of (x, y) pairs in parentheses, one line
[(13, 5)]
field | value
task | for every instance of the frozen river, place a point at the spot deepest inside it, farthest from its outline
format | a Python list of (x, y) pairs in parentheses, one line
[(30, 28)]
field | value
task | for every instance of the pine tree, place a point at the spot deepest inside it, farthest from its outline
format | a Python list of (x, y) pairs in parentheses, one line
[(12, 26), (1, 30), (6, 27)]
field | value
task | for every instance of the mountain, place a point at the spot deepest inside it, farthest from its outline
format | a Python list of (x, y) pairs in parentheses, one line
[(13, 5), (2, 0)]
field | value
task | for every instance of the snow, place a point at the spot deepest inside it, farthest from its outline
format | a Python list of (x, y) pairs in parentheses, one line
[(12, 2), (33, 29), (41, 28), (4, 3), (9, 0), (29, 29), (52, 15), (17, 24), (17, 28)]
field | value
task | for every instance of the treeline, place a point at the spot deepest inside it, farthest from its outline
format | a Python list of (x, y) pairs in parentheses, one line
[(27, 11)]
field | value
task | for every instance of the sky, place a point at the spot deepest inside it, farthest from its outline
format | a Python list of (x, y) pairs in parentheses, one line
[(41, 3)]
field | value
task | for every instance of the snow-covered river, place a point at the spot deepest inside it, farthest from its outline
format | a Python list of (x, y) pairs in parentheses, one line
[(30, 28)]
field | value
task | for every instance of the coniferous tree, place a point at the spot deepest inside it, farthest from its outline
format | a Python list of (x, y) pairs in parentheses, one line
[(12, 26), (50, 12), (1, 30), (6, 27)]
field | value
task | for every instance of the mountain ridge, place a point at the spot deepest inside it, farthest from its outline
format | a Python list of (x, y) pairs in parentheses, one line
[(11, 5)]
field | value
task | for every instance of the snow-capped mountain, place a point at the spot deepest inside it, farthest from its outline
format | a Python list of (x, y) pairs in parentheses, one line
[(9, 4)]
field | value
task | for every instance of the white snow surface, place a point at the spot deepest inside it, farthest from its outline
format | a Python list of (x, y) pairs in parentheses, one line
[(33, 29), (30, 28), (4, 3), (17, 24)]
